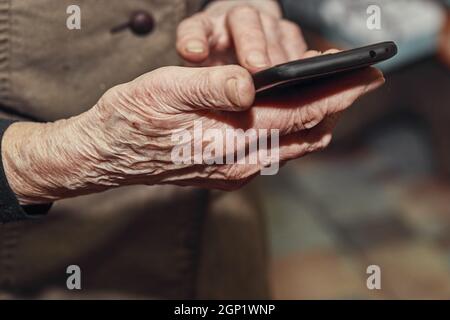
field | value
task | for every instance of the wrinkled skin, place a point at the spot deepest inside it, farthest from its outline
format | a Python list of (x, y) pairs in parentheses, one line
[(126, 137)]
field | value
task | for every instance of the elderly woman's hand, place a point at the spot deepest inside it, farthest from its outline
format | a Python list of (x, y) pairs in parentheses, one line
[(128, 137), (251, 32)]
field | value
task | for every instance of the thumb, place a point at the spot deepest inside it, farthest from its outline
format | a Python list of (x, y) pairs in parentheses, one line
[(227, 88)]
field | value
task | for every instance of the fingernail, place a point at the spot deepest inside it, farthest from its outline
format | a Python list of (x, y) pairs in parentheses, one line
[(232, 91), (257, 59), (195, 46), (311, 124)]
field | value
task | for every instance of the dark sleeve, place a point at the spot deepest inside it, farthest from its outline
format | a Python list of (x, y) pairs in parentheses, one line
[(10, 209)]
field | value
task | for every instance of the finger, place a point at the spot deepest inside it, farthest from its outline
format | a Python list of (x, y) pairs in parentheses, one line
[(292, 40), (277, 54), (298, 144), (331, 51), (303, 107), (264, 160), (245, 26), (314, 53), (310, 54), (228, 88), (268, 157), (193, 38)]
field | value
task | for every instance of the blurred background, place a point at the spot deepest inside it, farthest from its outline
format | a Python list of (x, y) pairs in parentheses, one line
[(381, 193)]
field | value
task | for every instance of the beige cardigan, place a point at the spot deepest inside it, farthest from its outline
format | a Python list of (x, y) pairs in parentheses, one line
[(162, 242)]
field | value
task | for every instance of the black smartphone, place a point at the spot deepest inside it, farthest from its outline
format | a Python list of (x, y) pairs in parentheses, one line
[(306, 70)]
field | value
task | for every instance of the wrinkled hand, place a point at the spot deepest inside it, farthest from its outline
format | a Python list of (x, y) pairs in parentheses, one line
[(250, 32), (127, 137)]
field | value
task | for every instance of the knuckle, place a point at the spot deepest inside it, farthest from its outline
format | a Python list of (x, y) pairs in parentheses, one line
[(217, 77), (159, 77), (296, 126), (270, 21), (187, 23), (309, 116), (243, 9), (209, 84), (291, 27), (112, 92), (182, 26), (161, 72), (204, 20), (250, 36), (234, 173), (183, 29), (194, 27), (207, 89), (237, 72), (201, 91), (165, 86)]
